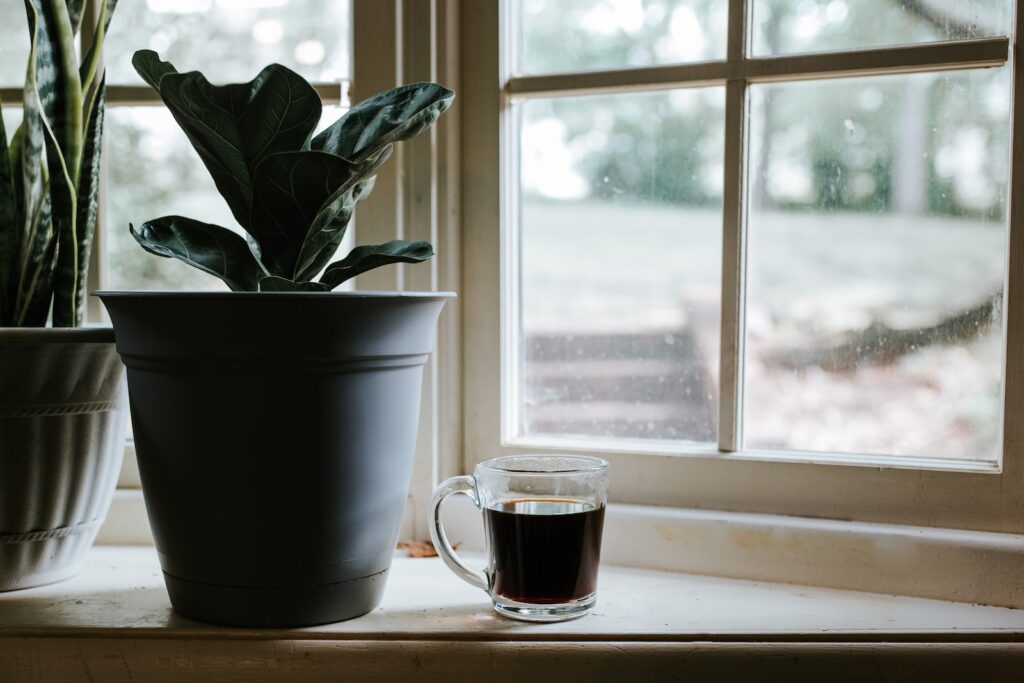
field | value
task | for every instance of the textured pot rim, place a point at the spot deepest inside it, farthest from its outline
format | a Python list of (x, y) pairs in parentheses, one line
[(165, 294), (99, 334)]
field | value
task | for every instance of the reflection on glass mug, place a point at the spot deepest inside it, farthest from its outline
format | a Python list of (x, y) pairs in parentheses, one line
[(543, 516)]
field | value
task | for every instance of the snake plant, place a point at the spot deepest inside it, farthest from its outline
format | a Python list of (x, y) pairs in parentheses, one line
[(292, 192), (49, 169)]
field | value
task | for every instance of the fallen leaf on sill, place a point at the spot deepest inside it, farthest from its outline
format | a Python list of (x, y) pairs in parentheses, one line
[(420, 548)]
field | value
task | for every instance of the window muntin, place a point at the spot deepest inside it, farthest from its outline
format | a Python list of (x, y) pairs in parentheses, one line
[(741, 73)]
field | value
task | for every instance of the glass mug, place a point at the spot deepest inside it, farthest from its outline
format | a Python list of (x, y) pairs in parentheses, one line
[(543, 517)]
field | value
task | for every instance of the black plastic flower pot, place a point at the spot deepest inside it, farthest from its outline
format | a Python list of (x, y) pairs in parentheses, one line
[(275, 435)]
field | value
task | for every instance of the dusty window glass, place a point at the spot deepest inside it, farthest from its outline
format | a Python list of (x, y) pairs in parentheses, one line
[(231, 40), (585, 35), (794, 26), (14, 44), (12, 119), (620, 257), (877, 243)]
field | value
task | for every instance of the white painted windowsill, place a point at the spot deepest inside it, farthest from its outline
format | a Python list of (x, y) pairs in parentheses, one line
[(114, 623)]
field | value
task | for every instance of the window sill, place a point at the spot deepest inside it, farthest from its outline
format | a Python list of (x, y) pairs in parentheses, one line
[(113, 622), (973, 567)]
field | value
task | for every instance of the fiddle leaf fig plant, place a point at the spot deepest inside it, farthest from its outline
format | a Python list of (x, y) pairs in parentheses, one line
[(49, 168), (292, 192)]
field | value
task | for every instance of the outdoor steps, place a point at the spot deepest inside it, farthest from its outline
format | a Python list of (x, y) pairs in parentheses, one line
[(651, 384)]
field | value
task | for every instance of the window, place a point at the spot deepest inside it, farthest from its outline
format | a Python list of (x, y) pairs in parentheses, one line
[(753, 252)]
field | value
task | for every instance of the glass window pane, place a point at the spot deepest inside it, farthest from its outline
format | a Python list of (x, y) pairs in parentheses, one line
[(14, 43), (231, 40), (794, 26), (585, 35), (12, 119), (620, 220), (877, 241), (153, 171)]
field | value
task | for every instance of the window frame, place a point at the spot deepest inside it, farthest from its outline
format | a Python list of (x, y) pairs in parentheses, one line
[(921, 492)]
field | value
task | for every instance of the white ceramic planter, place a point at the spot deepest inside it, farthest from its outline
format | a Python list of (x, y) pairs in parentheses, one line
[(63, 406)]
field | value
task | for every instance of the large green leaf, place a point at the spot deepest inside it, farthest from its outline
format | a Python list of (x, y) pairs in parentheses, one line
[(293, 190), (328, 228), (368, 257), (10, 231), (386, 118), (272, 283), (208, 247), (234, 127)]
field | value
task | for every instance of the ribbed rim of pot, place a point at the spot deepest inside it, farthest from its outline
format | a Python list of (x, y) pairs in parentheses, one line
[(161, 294), (57, 335)]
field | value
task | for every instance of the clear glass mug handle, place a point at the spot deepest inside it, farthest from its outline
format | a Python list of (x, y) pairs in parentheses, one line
[(467, 486)]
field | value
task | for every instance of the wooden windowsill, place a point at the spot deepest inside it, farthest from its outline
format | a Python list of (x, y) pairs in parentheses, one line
[(114, 622)]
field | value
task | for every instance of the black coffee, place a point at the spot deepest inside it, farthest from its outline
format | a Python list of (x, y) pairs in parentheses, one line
[(545, 551)]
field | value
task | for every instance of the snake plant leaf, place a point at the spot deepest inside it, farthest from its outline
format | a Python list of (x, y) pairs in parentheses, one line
[(368, 257), (91, 61), (30, 158), (272, 283), (88, 193), (234, 127), (10, 230), (290, 190), (56, 74), (35, 306), (75, 11), (64, 209), (208, 247), (386, 118)]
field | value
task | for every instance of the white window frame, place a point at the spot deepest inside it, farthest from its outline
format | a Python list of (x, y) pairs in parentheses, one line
[(956, 494)]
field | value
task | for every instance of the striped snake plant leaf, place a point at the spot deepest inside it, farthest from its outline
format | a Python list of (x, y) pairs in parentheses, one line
[(35, 266), (88, 195), (35, 307), (368, 257), (10, 230), (59, 92), (234, 127), (91, 61), (64, 209), (76, 10), (210, 248), (56, 73), (392, 116)]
